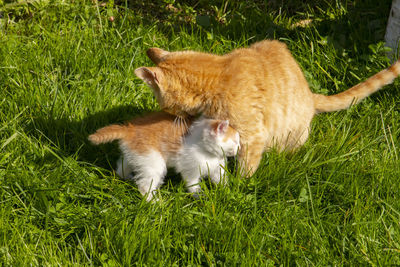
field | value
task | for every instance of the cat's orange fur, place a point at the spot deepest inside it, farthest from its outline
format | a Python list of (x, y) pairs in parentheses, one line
[(156, 131), (260, 89)]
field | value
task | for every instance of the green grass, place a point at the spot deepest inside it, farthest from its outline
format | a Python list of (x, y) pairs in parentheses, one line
[(66, 70)]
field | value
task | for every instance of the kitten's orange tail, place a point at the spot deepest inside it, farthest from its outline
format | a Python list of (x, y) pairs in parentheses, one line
[(108, 134), (358, 92)]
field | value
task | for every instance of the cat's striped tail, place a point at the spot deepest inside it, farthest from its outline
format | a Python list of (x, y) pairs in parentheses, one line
[(358, 92), (108, 134)]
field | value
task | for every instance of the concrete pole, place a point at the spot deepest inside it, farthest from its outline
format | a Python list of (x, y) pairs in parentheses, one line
[(392, 36)]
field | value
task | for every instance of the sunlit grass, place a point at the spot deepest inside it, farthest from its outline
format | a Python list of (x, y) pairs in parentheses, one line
[(66, 70)]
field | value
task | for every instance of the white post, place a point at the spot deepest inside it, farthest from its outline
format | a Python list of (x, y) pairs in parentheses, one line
[(392, 36)]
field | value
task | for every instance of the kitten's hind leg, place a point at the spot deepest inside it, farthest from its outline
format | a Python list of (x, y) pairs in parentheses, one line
[(150, 172), (123, 169)]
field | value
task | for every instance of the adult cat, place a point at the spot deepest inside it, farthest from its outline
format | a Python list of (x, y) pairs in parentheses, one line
[(260, 89)]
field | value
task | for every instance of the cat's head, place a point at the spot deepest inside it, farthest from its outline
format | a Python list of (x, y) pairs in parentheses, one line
[(219, 137), (178, 80)]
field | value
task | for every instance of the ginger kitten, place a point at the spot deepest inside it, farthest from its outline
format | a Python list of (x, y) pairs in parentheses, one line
[(154, 142), (261, 90)]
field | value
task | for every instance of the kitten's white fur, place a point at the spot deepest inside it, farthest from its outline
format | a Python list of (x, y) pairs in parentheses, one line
[(203, 153)]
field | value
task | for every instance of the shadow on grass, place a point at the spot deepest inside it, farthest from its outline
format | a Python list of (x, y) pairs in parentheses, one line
[(71, 137), (363, 23)]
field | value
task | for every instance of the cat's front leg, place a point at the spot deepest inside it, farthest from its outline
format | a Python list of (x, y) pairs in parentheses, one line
[(249, 157), (218, 176), (192, 180)]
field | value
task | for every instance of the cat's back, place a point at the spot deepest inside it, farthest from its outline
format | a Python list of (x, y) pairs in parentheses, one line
[(262, 58), (266, 82), (157, 131)]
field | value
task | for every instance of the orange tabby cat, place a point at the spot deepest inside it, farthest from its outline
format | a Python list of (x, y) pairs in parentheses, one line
[(260, 89)]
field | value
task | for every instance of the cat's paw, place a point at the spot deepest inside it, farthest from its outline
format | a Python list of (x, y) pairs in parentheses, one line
[(196, 195), (129, 176), (194, 190), (223, 181), (153, 196)]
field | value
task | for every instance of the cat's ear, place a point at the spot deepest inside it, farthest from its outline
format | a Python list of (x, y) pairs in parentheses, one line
[(156, 54), (221, 127), (149, 75)]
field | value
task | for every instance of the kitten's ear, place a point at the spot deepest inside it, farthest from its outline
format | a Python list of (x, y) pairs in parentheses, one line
[(149, 75), (221, 127), (156, 54)]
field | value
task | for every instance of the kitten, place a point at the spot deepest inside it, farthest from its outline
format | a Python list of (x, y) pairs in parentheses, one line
[(261, 90), (154, 142)]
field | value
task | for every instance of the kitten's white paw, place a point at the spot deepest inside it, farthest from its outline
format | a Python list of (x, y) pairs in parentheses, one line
[(152, 196), (223, 181), (130, 176), (194, 189)]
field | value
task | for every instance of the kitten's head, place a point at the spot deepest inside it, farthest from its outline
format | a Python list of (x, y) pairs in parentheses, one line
[(179, 81), (220, 138)]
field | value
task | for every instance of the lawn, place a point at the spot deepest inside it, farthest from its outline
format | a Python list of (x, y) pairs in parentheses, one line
[(67, 69)]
